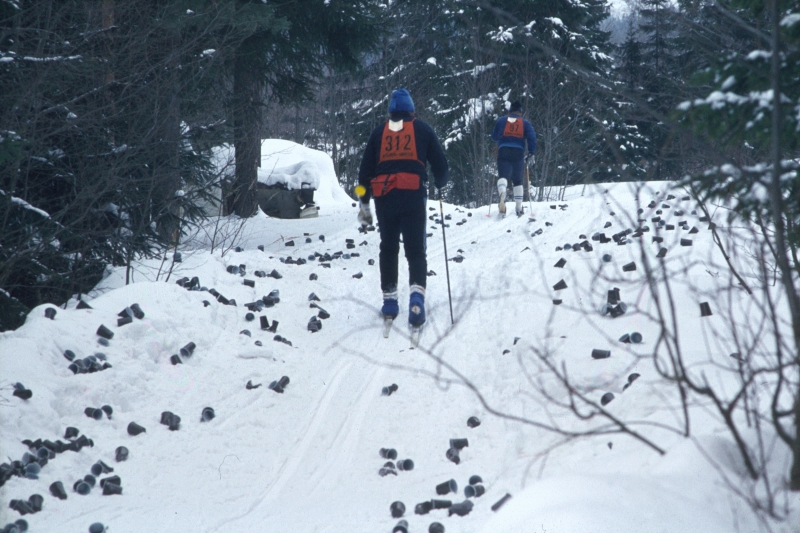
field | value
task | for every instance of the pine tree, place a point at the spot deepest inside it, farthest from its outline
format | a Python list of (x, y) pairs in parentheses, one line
[(283, 56)]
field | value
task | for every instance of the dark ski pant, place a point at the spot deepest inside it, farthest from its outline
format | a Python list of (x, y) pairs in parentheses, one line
[(509, 163), (402, 213)]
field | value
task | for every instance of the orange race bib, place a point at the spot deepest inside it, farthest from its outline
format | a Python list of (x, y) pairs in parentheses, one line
[(399, 145), (514, 129)]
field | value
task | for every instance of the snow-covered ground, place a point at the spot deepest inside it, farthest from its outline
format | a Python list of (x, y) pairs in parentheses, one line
[(307, 460)]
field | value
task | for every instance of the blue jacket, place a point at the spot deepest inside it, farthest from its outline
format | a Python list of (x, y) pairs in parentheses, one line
[(514, 142)]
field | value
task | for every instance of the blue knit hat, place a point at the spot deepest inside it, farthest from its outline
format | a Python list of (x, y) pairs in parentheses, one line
[(401, 101), (516, 106)]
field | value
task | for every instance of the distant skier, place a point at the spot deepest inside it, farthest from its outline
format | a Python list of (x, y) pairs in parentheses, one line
[(393, 171), (510, 133)]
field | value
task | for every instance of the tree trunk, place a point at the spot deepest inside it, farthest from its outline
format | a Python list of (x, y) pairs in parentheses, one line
[(777, 209), (166, 171), (246, 122)]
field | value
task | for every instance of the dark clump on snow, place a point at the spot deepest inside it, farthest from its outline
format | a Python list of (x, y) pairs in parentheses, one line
[(447, 487), (606, 398), (474, 490), (387, 391), (459, 444), (405, 464), (388, 453), (104, 332), (171, 420), (121, 454), (21, 392), (473, 422), (314, 324), (401, 527), (423, 508), (30, 506), (460, 509), (452, 455), (110, 489), (501, 502), (397, 509), (188, 350), (207, 414), (91, 412), (441, 504), (250, 385), (41, 452), (135, 429), (87, 365), (631, 378), (280, 385), (58, 491), (278, 338)]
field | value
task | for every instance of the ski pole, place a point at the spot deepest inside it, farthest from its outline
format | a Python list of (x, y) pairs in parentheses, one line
[(446, 266), (528, 179)]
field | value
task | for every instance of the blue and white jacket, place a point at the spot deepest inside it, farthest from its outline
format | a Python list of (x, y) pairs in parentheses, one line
[(528, 135)]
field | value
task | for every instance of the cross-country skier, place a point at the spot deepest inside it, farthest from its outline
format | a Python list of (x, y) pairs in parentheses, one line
[(510, 133), (393, 171)]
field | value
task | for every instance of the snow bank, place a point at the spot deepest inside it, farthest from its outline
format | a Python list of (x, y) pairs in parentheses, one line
[(307, 459), (293, 165), (296, 167)]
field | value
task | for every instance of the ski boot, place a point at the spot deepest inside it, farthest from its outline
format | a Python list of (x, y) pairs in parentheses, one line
[(389, 310), (502, 185), (416, 312), (518, 200)]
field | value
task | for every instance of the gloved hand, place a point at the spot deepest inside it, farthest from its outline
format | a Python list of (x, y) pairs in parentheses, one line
[(530, 159), (364, 214)]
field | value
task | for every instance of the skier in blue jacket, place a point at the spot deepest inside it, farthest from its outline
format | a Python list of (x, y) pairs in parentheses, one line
[(511, 132)]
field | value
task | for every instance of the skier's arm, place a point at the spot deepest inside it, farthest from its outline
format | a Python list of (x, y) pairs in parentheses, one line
[(530, 136), (369, 162), (438, 161), (497, 132)]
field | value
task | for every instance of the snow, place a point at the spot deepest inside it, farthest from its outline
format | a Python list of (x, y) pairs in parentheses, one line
[(307, 460), (25, 205), (51, 58), (292, 165), (759, 54), (790, 20), (431, 61), (297, 166)]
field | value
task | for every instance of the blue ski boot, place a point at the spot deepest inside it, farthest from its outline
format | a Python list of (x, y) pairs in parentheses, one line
[(390, 307), (416, 307)]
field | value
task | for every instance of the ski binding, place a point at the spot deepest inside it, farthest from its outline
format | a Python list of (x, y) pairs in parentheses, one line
[(415, 333)]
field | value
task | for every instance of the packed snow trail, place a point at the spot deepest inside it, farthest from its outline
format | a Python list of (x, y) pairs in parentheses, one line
[(307, 459)]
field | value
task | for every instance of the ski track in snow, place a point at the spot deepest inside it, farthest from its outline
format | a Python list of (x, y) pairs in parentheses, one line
[(307, 460)]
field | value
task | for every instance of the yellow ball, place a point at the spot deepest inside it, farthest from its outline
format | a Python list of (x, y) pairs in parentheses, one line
[(360, 190)]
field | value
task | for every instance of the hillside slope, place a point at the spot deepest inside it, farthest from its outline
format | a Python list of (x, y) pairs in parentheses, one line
[(308, 459)]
